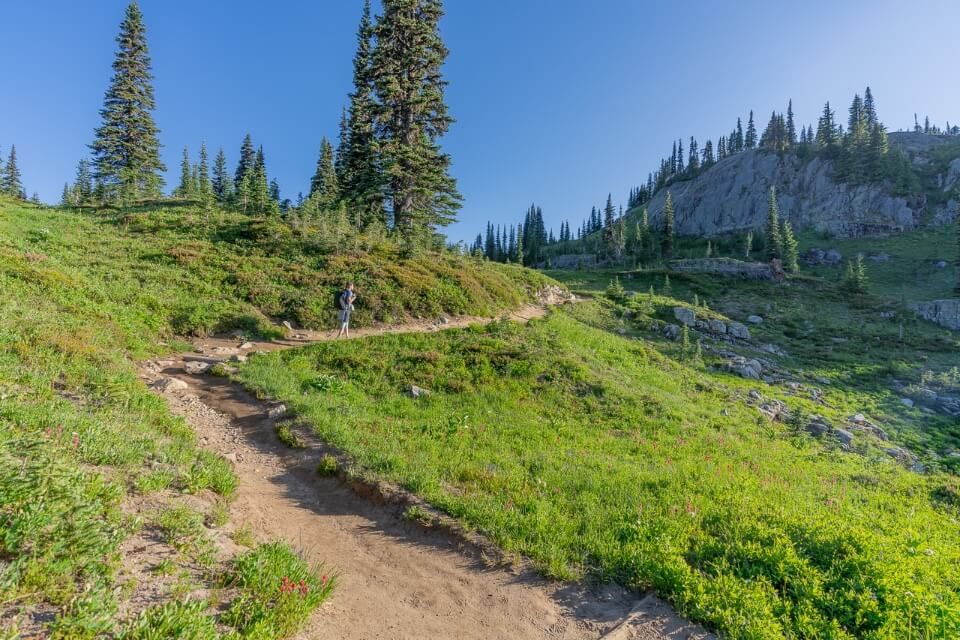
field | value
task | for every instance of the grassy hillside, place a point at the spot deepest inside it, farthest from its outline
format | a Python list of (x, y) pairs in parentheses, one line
[(597, 455), (89, 457)]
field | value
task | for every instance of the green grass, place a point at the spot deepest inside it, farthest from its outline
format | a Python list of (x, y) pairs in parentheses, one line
[(85, 295), (596, 455)]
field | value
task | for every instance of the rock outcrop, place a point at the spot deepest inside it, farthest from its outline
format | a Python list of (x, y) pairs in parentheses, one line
[(732, 195), (945, 313), (727, 267)]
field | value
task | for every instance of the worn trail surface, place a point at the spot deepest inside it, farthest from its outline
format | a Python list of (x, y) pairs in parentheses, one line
[(398, 579)]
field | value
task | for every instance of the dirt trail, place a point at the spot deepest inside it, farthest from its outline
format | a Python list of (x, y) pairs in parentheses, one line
[(398, 579)]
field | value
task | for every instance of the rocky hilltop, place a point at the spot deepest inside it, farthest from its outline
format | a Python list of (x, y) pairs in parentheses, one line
[(732, 195)]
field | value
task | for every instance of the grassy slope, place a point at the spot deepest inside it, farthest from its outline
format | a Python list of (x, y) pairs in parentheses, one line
[(80, 297), (594, 454)]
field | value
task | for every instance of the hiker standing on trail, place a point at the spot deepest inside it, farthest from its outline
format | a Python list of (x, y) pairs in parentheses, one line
[(345, 305)]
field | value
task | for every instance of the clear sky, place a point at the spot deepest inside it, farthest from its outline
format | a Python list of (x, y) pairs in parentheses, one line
[(556, 101)]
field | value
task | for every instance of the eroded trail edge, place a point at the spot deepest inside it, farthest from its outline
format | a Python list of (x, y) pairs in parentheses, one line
[(398, 578)]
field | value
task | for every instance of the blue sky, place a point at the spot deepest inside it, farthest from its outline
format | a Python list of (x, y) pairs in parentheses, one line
[(556, 101)]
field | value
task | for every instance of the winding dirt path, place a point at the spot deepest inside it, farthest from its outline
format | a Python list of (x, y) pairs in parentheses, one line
[(398, 579)]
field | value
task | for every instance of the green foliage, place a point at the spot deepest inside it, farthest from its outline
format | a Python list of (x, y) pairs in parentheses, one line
[(791, 248), (11, 183), (733, 523), (327, 466), (666, 233), (126, 146), (855, 276), (279, 592), (615, 290), (774, 240), (186, 620)]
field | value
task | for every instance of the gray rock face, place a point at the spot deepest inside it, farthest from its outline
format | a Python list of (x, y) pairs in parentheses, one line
[(749, 369), (738, 330), (945, 313), (685, 316), (196, 368), (732, 195), (170, 385), (672, 332), (726, 267), (755, 319), (717, 326), (819, 426)]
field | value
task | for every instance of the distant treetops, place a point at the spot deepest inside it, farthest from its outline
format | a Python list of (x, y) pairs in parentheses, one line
[(387, 170), (11, 184)]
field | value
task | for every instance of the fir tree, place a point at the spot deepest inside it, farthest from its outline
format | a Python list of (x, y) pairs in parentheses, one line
[(126, 147), (826, 129), (248, 157), (204, 187), (791, 127), (362, 179), (275, 190), (750, 140), (221, 183), (324, 187), (67, 196), (343, 145), (186, 187), (11, 183), (869, 108), (83, 182), (739, 141), (666, 239), (411, 117), (791, 252), (773, 238)]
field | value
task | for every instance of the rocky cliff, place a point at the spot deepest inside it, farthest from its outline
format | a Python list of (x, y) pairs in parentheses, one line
[(732, 195)]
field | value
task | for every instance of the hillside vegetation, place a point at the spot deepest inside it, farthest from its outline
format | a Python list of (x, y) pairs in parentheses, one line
[(597, 455), (90, 457)]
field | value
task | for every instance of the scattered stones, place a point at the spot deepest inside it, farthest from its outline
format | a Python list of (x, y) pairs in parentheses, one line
[(819, 426), (755, 319), (443, 320), (224, 351), (196, 368), (859, 422), (418, 392), (738, 330), (685, 315), (238, 357), (774, 349), (904, 457), (880, 257), (775, 410), (554, 295), (755, 395), (245, 346), (170, 385), (829, 257), (888, 315)]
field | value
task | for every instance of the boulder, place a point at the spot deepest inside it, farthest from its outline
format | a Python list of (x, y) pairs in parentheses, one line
[(196, 368), (246, 345), (749, 369), (672, 332), (829, 257), (859, 422), (418, 392), (238, 357), (738, 330), (755, 319), (717, 326), (820, 426), (170, 385), (685, 315), (907, 402), (945, 313), (277, 411)]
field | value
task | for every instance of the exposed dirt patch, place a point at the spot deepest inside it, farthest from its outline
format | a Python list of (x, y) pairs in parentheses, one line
[(398, 579)]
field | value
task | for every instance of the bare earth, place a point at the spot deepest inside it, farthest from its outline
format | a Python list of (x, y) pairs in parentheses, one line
[(397, 579)]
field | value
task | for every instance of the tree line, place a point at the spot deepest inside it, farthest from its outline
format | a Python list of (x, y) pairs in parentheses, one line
[(387, 170)]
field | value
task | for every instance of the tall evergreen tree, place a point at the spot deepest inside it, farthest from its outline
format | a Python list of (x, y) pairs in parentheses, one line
[(750, 140), (826, 129), (126, 146), (412, 116), (221, 183), (791, 251), (186, 186), (666, 239), (204, 188), (362, 179), (791, 126), (343, 146), (739, 141), (83, 182), (324, 187), (248, 158), (773, 238), (12, 184), (869, 108)]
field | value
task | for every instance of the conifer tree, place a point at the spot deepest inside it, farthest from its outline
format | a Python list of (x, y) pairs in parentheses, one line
[(343, 145), (773, 238), (666, 239), (275, 190), (791, 253), (520, 255), (248, 157), (221, 183), (185, 189), (869, 108), (956, 288), (324, 187), (826, 129), (67, 197), (791, 127), (83, 182), (126, 146), (12, 185), (739, 141), (411, 117), (750, 140), (363, 182), (204, 189)]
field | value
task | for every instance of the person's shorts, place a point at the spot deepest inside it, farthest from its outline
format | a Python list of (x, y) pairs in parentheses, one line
[(344, 316)]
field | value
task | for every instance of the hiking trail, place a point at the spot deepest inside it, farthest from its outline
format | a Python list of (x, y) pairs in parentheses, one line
[(398, 579)]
